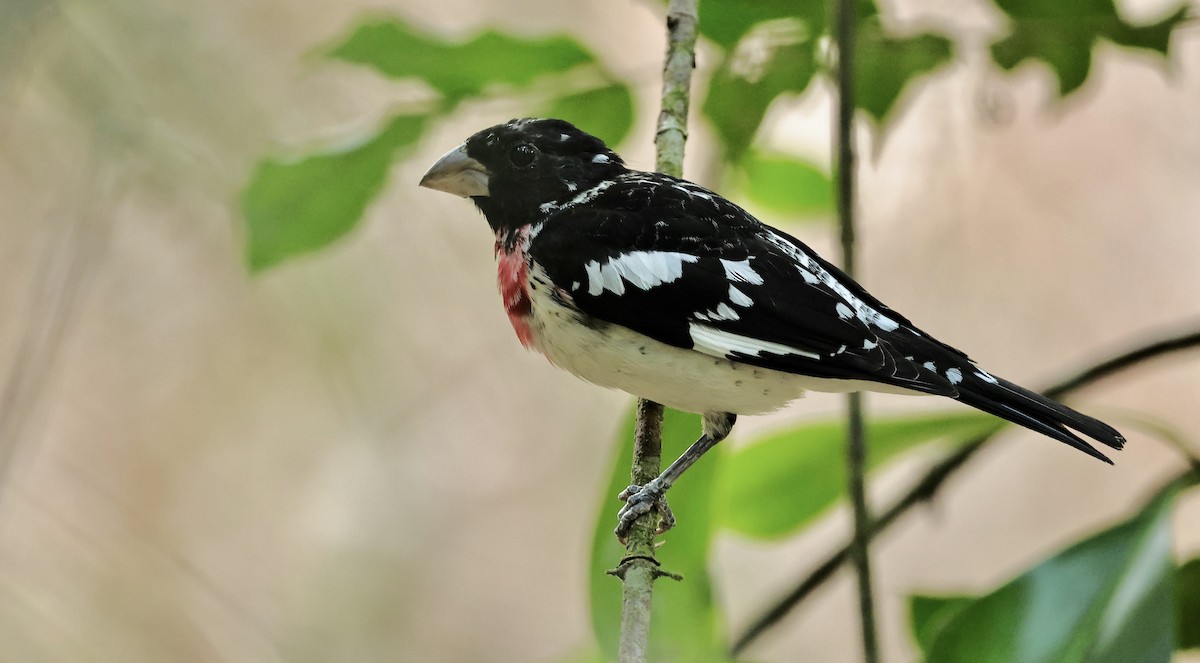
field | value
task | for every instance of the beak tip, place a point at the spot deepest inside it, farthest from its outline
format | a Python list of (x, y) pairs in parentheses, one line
[(457, 173)]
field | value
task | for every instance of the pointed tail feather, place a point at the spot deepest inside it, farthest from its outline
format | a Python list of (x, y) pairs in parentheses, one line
[(1036, 412)]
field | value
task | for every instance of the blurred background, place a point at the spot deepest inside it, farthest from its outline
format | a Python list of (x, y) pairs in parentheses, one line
[(349, 457)]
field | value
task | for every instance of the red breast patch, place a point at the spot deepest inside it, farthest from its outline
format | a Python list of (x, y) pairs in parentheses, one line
[(512, 278)]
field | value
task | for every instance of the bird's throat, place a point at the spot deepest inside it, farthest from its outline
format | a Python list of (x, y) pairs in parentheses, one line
[(512, 277)]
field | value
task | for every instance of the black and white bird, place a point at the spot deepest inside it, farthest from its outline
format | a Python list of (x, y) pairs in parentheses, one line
[(659, 287)]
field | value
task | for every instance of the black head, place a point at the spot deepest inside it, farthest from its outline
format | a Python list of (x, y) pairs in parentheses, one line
[(512, 170)]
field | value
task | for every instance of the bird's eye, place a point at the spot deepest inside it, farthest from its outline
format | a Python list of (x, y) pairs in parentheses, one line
[(523, 155)]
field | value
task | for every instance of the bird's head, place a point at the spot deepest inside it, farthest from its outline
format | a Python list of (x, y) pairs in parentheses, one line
[(515, 172)]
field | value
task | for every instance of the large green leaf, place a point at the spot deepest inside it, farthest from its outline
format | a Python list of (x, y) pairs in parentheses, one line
[(605, 112), (780, 55), (1062, 34), (785, 184), (1108, 599), (726, 22), (685, 622), (739, 94), (1187, 597), (886, 65), (928, 615), (294, 207), (774, 486), (460, 70)]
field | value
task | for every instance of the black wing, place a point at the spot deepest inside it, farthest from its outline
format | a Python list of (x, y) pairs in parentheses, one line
[(684, 266)]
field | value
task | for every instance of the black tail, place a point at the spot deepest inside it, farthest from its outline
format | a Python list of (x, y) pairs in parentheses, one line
[(1023, 407)]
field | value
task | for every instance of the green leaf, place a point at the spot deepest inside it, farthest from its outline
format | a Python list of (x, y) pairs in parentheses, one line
[(772, 487), (1187, 605), (785, 184), (605, 112), (294, 207), (887, 64), (1108, 599), (398, 50), (743, 88), (726, 22), (930, 614), (1063, 33), (685, 620)]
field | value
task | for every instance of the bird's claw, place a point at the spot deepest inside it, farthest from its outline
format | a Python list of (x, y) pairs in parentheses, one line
[(640, 500)]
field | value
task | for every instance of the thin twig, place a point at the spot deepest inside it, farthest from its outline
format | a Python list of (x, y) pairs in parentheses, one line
[(639, 568), (929, 485), (856, 444)]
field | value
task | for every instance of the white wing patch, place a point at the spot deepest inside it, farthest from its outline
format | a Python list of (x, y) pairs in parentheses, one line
[(723, 312), (641, 269), (809, 267), (719, 343), (985, 376), (741, 271), (953, 375), (739, 298)]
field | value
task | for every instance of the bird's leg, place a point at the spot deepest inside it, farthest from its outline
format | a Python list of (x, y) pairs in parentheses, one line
[(640, 499)]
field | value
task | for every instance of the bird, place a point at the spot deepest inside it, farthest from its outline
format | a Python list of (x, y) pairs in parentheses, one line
[(656, 286)]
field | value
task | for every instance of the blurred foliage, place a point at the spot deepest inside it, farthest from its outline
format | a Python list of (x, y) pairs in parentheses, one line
[(784, 184), (1062, 34), (768, 50), (293, 207), (1187, 605), (458, 71), (1110, 598), (775, 486), (300, 206)]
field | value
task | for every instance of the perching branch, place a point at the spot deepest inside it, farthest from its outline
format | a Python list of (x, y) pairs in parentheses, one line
[(639, 568), (856, 445), (929, 485)]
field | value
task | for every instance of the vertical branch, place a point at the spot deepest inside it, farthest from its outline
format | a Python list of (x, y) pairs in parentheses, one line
[(639, 568), (856, 451), (677, 86)]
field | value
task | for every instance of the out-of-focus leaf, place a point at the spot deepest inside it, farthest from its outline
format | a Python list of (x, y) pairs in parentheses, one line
[(727, 21), (780, 56), (1108, 599), (785, 184), (746, 83), (605, 112), (887, 64), (928, 615), (294, 207), (589, 655), (399, 50), (1187, 605), (685, 619), (773, 487), (1063, 33)]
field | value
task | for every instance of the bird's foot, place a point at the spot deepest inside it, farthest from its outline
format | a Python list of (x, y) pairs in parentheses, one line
[(640, 500)]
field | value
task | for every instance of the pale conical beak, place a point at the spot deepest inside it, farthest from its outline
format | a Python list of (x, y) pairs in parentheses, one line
[(458, 174)]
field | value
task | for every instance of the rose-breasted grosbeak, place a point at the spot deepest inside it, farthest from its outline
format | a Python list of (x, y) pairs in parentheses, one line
[(661, 288)]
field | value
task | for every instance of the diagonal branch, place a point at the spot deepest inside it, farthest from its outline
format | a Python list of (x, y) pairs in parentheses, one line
[(929, 485), (639, 569)]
